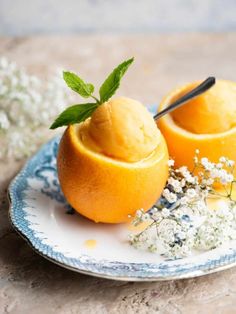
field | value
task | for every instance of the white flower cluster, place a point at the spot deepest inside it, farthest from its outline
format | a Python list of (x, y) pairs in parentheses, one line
[(182, 219), (216, 171), (26, 103), (218, 227)]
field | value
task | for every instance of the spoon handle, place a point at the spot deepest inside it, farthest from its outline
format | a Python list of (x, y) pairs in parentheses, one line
[(204, 86)]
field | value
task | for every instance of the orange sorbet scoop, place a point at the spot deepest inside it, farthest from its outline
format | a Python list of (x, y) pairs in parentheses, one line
[(212, 112), (122, 129)]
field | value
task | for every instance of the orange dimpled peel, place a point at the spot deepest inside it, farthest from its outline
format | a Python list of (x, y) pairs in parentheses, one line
[(112, 159), (107, 186)]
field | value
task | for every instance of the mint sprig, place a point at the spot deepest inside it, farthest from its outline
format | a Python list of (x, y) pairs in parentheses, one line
[(79, 113)]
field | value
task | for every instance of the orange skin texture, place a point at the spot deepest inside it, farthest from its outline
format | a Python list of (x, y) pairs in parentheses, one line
[(182, 143), (104, 189)]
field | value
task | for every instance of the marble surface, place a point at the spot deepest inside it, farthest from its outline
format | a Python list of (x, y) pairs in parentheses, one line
[(31, 284)]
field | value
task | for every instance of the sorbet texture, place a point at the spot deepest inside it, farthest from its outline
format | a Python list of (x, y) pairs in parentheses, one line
[(212, 112), (123, 129)]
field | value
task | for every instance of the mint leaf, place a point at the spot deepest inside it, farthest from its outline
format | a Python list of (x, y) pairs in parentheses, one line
[(78, 85), (74, 114), (112, 83)]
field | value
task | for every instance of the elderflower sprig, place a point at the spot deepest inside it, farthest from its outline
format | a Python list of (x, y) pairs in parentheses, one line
[(181, 220), (27, 105)]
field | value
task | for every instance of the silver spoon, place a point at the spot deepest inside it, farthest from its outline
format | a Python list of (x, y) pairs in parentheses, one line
[(203, 87)]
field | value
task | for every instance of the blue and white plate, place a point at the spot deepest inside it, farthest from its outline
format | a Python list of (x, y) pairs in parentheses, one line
[(40, 213)]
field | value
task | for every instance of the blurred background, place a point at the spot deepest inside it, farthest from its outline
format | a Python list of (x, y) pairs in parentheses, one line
[(173, 41), (24, 17)]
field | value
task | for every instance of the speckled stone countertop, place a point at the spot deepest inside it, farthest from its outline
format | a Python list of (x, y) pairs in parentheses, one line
[(31, 284)]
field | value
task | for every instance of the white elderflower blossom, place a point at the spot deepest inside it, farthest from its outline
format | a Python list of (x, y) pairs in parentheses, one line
[(181, 220), (176, 184), (208, 181), (189, 178), (191, 193), (207, 164), (183, 170), (26, 104), (170, 196), (171, 162), (165, 212), (222, 159)]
